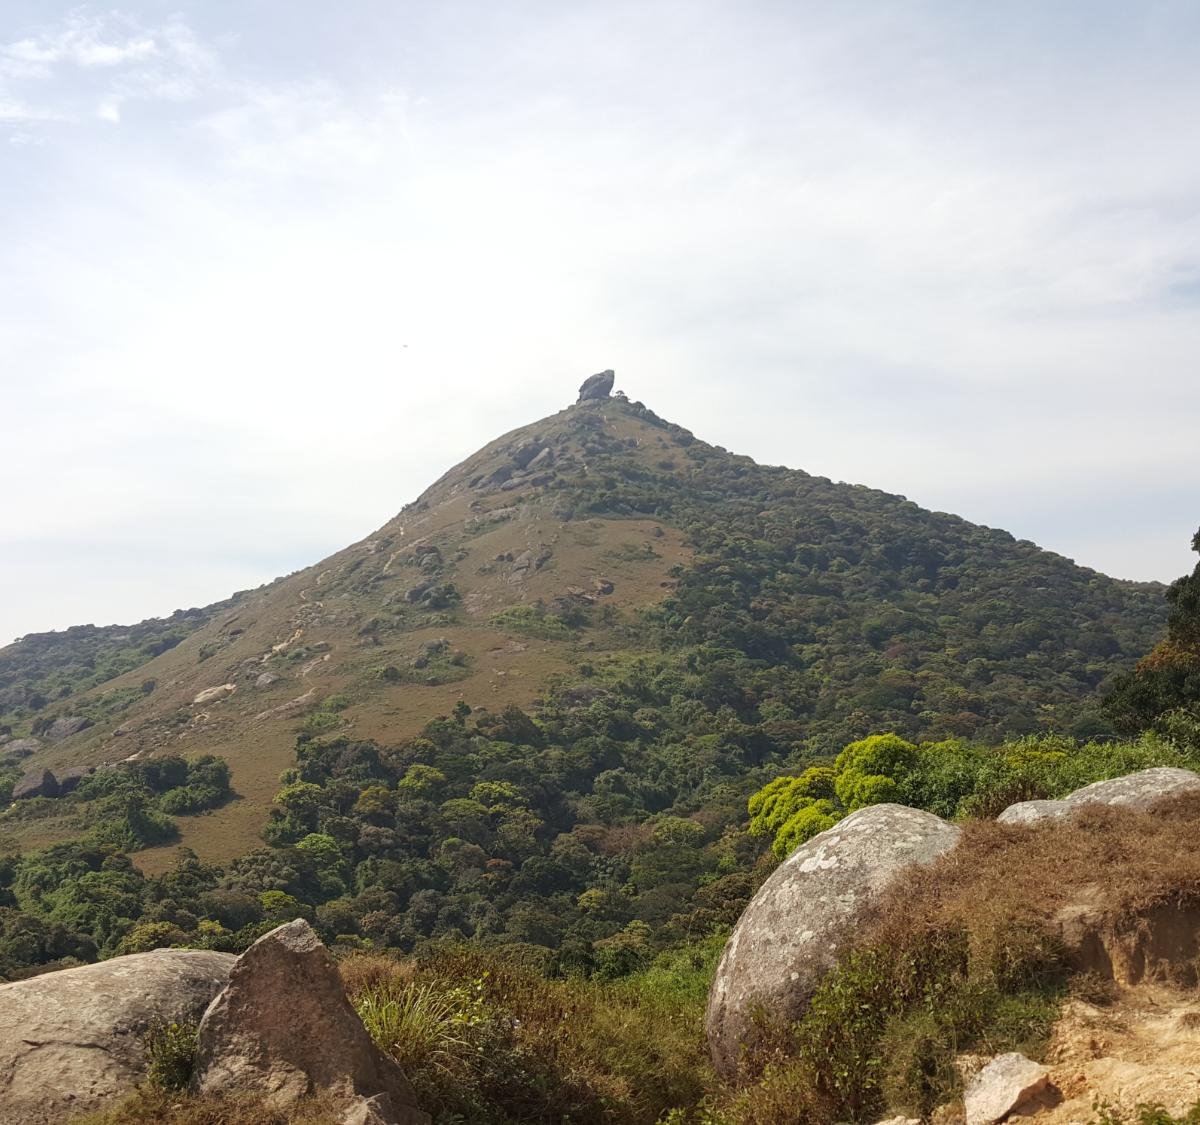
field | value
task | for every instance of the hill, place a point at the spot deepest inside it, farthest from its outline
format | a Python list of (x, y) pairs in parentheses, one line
[(704, 616)]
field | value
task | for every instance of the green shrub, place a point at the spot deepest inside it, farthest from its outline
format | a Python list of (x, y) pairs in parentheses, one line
[(171, 1054)]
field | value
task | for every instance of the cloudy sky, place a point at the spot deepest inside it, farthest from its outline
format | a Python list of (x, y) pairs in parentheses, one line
[(268, 268)]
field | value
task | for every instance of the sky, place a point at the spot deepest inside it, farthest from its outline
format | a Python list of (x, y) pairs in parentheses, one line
[(268, 269)]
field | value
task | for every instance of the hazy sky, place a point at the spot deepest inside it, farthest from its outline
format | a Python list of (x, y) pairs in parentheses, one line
[(269, 268)]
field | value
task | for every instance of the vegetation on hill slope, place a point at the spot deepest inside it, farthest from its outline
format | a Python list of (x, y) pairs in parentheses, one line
[(43, 669), (798, 613), (529, 713)]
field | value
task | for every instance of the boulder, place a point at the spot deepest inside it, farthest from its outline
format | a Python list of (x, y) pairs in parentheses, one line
[(1006, 1084), (542, 461), (284, 1028), (791, 934), (66, 726), (527, 453), (1030, 812), (21, 747), (68, 780), (212, 694), (597, 387), (72, 1040), (36, 783), (1135, 790), (266, 679)]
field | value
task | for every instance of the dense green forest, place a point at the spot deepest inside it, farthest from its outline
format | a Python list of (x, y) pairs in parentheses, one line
[(862, 611)]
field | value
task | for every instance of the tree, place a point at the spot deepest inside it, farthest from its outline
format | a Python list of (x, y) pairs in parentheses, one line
[(1166, 681)]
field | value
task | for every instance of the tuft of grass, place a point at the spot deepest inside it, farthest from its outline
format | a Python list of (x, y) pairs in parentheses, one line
[(486, 1039), (422, 1026)]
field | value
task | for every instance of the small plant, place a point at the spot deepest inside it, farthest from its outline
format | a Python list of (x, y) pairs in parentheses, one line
[(1146, 1113), (171, 1053)]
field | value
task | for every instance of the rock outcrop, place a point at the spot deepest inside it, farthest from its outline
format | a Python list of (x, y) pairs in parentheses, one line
[(66, 726), (283, 1028), (1008, 1083), (791, 934), (1135, 790), (36, 783), (21, 747), (72, 1040), (597, 386), (68, 780)]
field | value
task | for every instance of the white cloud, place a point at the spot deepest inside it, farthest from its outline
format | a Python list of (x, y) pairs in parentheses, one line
[(109, 58)]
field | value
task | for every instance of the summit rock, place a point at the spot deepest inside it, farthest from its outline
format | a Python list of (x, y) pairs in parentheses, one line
[(597, 386)]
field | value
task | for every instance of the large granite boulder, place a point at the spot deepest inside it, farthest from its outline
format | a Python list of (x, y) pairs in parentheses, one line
[(597, 387), (791, 934), (38, 782), (72, 1040), (284, 1029), (1135, 790)]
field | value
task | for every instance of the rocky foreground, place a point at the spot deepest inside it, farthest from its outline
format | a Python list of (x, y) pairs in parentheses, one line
[(274, 1023)]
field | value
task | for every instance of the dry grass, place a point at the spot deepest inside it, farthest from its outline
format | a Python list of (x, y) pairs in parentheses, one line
[(149, 1106), (490, 1041), (1124, 861)]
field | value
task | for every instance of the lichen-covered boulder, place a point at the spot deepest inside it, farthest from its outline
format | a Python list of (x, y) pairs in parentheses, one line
[(284, 1029), (72, 1040), (791, 934), (1134, 790)]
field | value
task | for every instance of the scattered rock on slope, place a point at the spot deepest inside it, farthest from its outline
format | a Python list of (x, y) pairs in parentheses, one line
[(284, 1028), (36, 783), (792, 932), (1007, 1083), (1135, 790), (72, 1040), (597, 386), (66, 726)]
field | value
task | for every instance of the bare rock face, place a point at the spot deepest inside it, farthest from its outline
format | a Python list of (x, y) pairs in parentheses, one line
[(36, 783), (791, 934), (1135, 790), (72, 1040), (284, 1028), (1006, 1084), (597, 386)]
